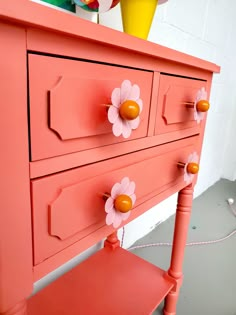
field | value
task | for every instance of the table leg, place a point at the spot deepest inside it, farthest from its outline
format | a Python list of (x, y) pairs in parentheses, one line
[(112, 241), (183, 213)]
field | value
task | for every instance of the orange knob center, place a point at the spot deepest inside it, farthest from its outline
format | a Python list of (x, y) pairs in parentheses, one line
[(129, 110), (203, 106), (123, 203), (193, 168)]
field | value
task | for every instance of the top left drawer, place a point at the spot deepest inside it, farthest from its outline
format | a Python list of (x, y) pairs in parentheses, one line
[(67, 104)]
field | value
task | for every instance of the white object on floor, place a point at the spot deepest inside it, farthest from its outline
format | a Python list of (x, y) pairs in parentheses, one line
[(230, 201)]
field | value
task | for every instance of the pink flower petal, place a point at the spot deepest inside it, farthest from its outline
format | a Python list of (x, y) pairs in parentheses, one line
[(116, 190), (125, 90), (110, 217), (190, 159), (115, 97), (117, 128), (134, 123), (195, 157), (126, 132), (134, 93), (109, 204), (198, 116), (188, 177), (133, 198), (201, 116), (124, 185), (117, 219), (113, 114), (203, 94), (130, 189), (140, 103), (125, 215), (198, 97), (191, 178), (195, 115)]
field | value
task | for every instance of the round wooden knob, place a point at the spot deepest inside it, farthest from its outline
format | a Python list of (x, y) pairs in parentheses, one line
[(193, 168), (129, 110), (123, 203), (203, 106)]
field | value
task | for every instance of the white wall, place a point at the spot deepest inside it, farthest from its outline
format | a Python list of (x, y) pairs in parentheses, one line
[(206, 29)]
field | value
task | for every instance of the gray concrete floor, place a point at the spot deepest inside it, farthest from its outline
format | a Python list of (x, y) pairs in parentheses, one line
[(209, 286)]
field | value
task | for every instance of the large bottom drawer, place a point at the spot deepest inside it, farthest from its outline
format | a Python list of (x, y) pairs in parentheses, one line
[(68, 206)]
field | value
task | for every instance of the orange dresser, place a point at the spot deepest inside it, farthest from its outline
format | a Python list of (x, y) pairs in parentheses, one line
[(96, 128)]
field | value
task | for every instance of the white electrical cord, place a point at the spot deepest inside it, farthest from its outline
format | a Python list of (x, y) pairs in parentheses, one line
[(188, 244)]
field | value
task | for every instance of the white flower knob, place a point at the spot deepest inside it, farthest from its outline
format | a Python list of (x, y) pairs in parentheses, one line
[(120, 202), (201, 105), (125, 109), (191, 167)]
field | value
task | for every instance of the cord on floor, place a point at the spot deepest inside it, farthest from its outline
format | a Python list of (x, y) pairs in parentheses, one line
[(230, 202), (188, 244)]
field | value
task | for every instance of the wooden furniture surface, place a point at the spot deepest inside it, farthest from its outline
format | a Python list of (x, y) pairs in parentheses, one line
[(78, 92), (59, 76)]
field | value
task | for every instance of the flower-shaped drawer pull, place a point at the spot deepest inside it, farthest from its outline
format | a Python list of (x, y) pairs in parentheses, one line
[(191, 167), (125, 109), (120, 202), (200, 105)]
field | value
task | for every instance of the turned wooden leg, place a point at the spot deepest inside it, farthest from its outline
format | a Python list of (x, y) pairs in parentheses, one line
[(19, 309), (170, 303), (112, 241), (182, 219)]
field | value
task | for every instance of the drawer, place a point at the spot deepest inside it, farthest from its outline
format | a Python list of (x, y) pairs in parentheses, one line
[(69, 206), (172, 112), (68, 99)]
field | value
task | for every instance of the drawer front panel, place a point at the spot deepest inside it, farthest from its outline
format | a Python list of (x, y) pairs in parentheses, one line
[(68, 99), (172, 112), (69, 206)]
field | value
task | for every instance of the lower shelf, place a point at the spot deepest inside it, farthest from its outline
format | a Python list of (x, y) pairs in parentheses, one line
[(111, 282)]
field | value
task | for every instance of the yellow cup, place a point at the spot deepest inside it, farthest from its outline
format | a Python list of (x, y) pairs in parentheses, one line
[(137, 16)]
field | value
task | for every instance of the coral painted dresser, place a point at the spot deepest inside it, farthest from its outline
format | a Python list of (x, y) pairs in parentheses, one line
[(96, 128)]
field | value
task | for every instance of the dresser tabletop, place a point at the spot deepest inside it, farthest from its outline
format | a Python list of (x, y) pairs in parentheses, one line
[(35, 15)]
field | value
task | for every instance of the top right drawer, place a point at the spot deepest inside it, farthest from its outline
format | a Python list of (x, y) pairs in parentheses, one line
[(175, 109)]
